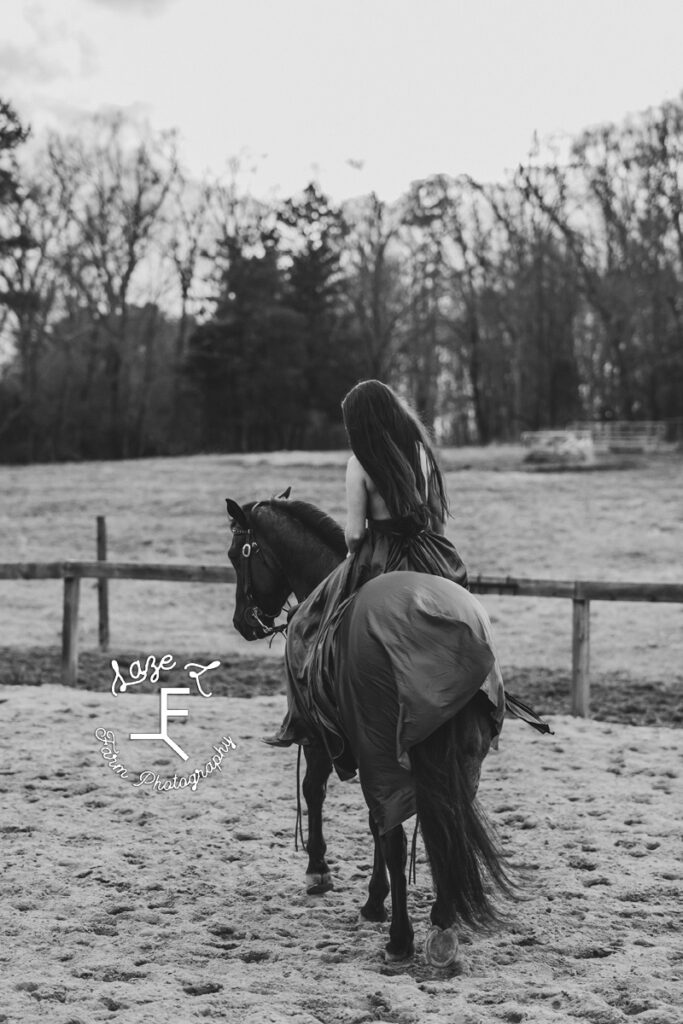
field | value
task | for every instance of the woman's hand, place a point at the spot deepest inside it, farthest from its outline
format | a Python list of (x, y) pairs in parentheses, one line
[(353, 542)]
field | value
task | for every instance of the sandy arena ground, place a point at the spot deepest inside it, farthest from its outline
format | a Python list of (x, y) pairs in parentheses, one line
[(126, 904)]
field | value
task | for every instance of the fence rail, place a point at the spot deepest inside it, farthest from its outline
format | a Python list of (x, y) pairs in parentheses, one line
[(580, 592), (173, 572)]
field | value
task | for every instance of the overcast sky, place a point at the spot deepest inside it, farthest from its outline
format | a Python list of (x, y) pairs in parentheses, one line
[(360, 94)]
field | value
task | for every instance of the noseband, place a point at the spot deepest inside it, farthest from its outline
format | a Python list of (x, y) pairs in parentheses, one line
[(253, 613)]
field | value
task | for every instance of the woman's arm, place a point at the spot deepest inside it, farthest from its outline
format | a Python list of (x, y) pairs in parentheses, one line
[(356, 504)]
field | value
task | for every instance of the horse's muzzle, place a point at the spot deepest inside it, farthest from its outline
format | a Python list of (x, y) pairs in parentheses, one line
[(253, 624)]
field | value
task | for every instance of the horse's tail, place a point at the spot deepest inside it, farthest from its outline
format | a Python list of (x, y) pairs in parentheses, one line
[(464, 856)]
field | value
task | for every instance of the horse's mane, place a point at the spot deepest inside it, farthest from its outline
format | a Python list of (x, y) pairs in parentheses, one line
[(323, 526)]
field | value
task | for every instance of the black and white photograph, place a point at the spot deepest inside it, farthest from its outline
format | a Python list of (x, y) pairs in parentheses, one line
[(341, 511)]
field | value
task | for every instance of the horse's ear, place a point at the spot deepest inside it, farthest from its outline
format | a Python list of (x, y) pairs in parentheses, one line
[(284, 495), (236, 513)]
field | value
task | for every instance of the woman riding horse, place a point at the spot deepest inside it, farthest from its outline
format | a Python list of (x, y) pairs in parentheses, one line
[(391, 667)]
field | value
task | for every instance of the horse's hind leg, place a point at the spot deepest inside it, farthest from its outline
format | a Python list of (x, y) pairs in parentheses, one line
[(318, 768), (395, 848), (378, 889)]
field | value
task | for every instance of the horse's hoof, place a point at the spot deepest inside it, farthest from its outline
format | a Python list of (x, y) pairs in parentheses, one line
[(395, 956), (441, 946), (318, 884), (372, 913)]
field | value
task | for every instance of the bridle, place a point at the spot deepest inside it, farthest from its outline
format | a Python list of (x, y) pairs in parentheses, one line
[(254, 614)]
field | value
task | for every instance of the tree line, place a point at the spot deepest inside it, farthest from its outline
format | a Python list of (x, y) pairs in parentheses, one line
[(144, 313)]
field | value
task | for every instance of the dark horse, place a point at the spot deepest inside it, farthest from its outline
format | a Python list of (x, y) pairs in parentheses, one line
[(281, 547)]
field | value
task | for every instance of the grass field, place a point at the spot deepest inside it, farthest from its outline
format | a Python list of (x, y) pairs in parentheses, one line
[(615, 524)]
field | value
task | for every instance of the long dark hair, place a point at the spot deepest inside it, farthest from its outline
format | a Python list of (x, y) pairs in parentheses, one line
[(385, 436)]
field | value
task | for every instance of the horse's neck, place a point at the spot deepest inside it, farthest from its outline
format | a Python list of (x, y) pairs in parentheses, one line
[(306, 562), (312, 568)]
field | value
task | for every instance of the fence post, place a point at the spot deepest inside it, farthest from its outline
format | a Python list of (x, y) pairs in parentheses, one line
[(72, 585), (102, 585), (581, 657)]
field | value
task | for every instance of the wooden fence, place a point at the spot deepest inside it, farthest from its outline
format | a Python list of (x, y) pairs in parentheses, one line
[(579, 592)]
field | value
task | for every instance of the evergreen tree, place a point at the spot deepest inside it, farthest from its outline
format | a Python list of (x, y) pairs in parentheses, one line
[(314, 232)]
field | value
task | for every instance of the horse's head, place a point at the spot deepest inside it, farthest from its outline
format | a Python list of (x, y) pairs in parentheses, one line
[(279, 547), (262, 587)]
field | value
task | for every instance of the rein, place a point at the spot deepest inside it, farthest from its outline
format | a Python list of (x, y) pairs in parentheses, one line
[(250, 548)]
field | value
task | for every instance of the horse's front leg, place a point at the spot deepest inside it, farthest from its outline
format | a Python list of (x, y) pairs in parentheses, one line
[(395, 848), (318, 768), (378, 889)]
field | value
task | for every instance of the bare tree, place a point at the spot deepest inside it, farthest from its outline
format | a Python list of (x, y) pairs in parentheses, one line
[(114, 184), (189, 236), (375, 284)]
